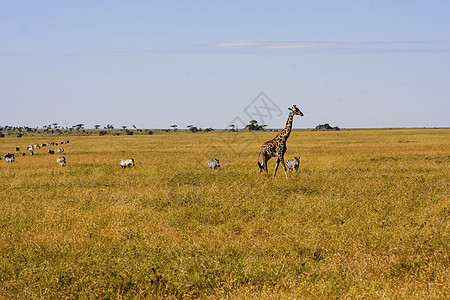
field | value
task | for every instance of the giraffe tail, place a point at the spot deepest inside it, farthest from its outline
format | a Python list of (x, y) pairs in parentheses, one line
[(260, 164)]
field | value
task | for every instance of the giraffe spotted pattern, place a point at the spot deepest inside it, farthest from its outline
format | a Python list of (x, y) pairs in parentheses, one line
[(277, 146)]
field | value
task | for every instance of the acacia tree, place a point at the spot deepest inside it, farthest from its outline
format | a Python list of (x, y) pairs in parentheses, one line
[(255, 126)]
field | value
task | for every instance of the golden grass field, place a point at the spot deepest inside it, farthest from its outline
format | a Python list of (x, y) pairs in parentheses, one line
[(365, 217)]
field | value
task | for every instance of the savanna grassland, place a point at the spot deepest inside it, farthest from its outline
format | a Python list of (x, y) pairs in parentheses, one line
[(366, 216)]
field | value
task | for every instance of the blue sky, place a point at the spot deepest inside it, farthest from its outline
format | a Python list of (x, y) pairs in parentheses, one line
[(153, 63)]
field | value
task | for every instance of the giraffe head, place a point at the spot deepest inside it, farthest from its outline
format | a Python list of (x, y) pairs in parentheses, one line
[(295, 110)]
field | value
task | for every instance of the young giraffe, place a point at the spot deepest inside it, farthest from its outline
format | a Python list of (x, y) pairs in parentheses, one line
[(277, 146)]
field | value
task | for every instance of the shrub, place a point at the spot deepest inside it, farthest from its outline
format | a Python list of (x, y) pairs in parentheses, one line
[(194, 129), (326, 126)]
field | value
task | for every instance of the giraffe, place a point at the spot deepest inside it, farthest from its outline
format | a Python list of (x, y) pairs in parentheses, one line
[(277, 146)]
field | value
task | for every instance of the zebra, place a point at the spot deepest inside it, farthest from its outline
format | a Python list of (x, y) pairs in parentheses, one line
[(9, 157), (61, 161), (213, 163), (126, 162), (60, 150), (293, 164)]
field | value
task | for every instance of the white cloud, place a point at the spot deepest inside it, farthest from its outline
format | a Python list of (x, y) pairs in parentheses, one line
[(333, 47), (237, 44)]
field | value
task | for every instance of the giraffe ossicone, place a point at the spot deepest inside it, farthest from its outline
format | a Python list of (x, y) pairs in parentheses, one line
[(276, 147)]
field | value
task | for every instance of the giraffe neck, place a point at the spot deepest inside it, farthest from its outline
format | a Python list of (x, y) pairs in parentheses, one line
[(284, 134)]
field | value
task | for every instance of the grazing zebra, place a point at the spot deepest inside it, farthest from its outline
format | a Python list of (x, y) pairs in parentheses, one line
[(126, 162), (30, 148), (213, 163), (9, 157), (31, 153), (61, 161), (293, 164), (51, 151), (60, 150)]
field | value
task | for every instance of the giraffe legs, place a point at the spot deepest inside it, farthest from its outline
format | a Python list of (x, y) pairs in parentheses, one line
[(276, 167), (284, 166), (280, 159), (263, 165)]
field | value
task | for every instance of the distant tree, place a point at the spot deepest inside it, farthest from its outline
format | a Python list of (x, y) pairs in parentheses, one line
[(54, 125), (109, 126), (326, 127), (254, 126), (96, 126), (175, 127), (124, 127), (134, 126), (232, 127), (194, 129), (208, 129)]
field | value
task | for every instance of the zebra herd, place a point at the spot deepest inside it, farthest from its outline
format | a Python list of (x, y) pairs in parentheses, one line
[(291, 164), (61, 160)]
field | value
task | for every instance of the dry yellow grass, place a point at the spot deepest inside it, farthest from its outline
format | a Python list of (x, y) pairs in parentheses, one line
[(366, 216)]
